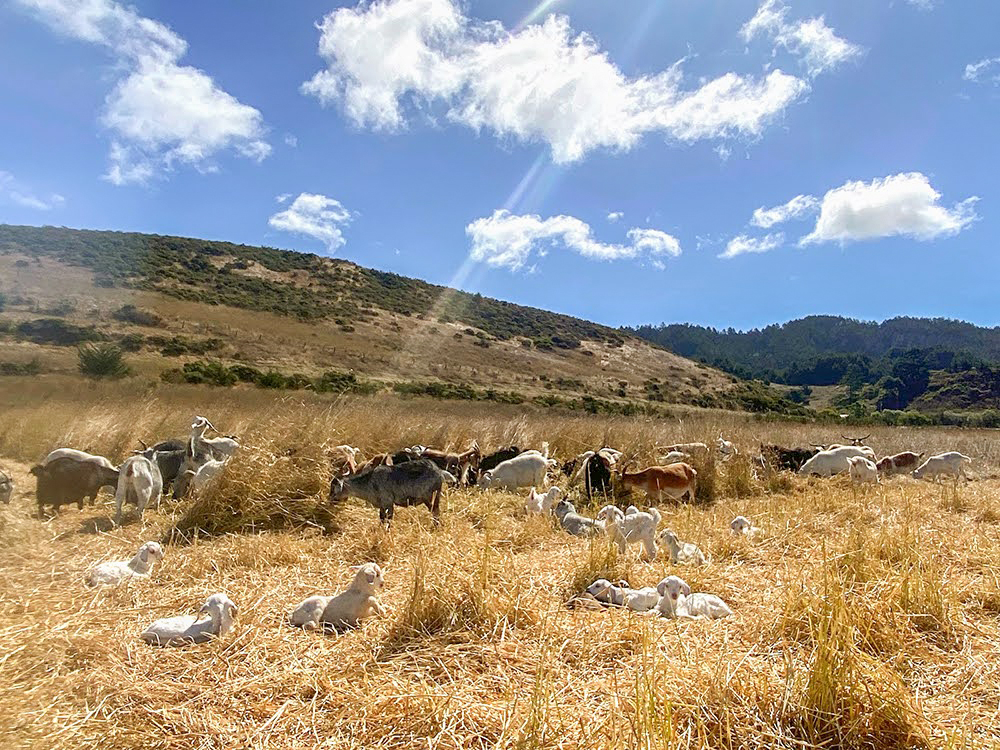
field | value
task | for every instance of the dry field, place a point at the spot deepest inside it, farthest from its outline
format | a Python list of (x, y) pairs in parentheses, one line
[(863, 618)]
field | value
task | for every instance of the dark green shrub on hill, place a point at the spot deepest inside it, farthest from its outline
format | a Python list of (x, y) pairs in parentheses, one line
[(104, 360), (56, 331), (136, 316)]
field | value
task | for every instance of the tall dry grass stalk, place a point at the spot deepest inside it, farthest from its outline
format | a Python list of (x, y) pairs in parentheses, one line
[(863, 618)]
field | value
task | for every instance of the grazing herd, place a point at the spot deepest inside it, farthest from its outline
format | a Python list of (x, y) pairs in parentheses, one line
[(418, 475)]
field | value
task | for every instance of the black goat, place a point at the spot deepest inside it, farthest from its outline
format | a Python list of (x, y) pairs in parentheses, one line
[(385, 487)]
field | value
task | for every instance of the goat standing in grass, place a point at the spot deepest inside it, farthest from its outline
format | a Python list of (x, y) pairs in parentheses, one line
[(385, 487)]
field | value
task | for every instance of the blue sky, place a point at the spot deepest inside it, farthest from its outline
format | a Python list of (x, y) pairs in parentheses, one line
[(723, 162)]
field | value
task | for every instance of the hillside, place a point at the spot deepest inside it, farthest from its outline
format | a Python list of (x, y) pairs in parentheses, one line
[(920, 364), (187, 307)]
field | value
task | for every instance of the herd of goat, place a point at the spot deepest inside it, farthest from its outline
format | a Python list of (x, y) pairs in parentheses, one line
[(418, 475)]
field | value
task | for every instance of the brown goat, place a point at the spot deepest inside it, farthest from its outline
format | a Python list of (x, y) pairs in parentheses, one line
[(677, 481)]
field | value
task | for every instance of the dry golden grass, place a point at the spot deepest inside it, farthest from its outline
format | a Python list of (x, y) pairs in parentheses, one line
[(864, 618)]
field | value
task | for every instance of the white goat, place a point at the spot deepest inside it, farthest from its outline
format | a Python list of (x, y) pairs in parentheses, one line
[(206, 473), (525, 470), (542, 504), (177, 631), (826, 463), (727, 449), (673, 457), (139, 482), (951, 463), (573, 522), (677, 601), (682, 553), (862, 469), (140, 566), (620, 595), (346, 609), (635, 527), (741, 526)]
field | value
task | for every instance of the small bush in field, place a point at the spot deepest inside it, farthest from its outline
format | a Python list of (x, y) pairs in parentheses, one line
[(102, 361)]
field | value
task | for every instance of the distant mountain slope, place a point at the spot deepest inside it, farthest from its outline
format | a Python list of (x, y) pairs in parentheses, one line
[(789, 352), (171, 302)]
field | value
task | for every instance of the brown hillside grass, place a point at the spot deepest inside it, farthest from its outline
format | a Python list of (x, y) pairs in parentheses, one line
[(864, 618)]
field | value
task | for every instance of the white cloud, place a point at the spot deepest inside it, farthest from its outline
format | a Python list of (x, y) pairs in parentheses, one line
[(508, 240), (14, 191), (796, 208), (291, 140), (314, 216), (987, 69), (922, 4), (898, 205), (743, 244), (537, 83), (615, 216), (161, 113), (815, 43)]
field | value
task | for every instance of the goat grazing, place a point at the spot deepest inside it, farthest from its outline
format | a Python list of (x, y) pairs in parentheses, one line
[(68, 480), (572, 521), (635, 527), (168, 460), (542, 504), (833, 460), (177, 631), (951, 463), (862, 469), (525, 470), (682, 553), (346, 609), (384, 487), (677, 481), (140, 566), (139, 482), (901, 463)]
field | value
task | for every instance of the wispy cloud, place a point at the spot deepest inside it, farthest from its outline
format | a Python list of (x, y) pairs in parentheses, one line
[(14, 191), (161, 113), (812, 41), (796, 208), (542, 82), (743, 244), (987, 69), (508, 240), (314, 215)]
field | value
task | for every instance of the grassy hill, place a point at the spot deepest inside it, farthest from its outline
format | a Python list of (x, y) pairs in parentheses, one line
[(188, 307)]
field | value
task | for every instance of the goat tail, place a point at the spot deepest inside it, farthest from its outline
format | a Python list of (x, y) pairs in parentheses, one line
[(656, 515)]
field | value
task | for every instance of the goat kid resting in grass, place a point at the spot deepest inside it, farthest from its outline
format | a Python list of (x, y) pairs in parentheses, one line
[(741, 526), (634, 527), (346, 609), (677, 601), (542, 504), (140, 566), (682, 553), (621, 595), (573, 523), (178, 631)]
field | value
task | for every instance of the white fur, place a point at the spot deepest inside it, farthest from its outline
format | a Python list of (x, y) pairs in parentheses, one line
[(542, 504), (140, 566), (620, 595), (826, 463), (347, 608), (634, 527), (952, 464), (862, 469), (677, 601), (76, 456), (139, 482), (741, 526), (525, 470), (682, 553), (176, 631)]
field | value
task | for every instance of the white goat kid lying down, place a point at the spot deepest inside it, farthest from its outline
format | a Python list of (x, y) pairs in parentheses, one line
[(741, 526), (140, 566), (177, 631), (677, 601), (635, 527), (620, 595), (682, 553), (346, 609), (542, 504)]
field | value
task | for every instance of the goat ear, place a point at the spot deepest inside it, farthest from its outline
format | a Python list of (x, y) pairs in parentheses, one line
[(685, 588), (144, 554), (233, 609), (661, 588)]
